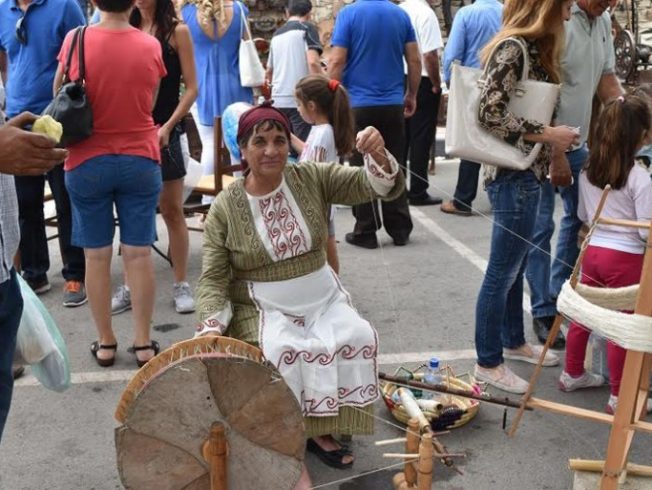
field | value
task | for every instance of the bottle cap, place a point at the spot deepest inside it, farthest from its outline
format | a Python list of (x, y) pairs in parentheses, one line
[(434, 362)]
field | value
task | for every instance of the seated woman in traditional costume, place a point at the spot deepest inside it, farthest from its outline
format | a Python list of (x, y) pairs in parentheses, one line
[(265, 279)]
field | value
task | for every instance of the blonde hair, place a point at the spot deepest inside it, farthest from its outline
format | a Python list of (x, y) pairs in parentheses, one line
[(208, 10), (538, 21)]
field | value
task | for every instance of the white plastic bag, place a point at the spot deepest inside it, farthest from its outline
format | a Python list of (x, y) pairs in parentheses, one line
[(193, 169), (39, 343)]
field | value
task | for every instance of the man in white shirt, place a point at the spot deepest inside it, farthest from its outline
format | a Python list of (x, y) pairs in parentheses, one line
[(294, 53), (421, 127)]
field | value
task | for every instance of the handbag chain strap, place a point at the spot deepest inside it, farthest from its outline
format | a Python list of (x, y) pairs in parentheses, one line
[(78, 41)]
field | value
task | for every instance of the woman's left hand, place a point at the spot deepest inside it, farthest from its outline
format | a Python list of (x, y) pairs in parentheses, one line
[(369, 140), (163, 137)]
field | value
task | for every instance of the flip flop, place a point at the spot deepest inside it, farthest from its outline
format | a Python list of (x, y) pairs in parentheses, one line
[(330, 458), (95, 348)]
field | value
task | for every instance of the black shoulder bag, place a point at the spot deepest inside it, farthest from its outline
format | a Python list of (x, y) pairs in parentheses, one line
[(70, 105)]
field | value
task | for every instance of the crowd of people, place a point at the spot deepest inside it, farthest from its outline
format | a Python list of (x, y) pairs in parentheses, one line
[(269, 247)]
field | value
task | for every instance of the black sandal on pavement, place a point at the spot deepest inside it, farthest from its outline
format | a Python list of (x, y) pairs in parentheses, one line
[(153, 345), (95, 348), (331, 458)]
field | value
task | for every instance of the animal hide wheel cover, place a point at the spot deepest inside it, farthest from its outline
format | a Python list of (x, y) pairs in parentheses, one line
[(166, 422)]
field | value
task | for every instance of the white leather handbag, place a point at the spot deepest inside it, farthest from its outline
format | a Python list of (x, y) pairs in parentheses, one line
[(465, 138), (252, 73)]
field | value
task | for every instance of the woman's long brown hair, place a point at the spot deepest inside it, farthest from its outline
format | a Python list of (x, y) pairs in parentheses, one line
[(333, 103), (619, 133), (538, 21)]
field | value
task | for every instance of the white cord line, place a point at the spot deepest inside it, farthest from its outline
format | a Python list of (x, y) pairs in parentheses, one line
[(366, 473), (488, 218)]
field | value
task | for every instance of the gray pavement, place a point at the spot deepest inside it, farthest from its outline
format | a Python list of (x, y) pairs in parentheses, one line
[(421, 298)]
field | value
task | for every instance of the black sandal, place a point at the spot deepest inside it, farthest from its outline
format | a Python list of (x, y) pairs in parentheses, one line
[(153, 345), (330, 458), (95, 348)]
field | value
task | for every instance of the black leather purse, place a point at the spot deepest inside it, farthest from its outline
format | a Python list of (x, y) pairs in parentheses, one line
[(70, 106)]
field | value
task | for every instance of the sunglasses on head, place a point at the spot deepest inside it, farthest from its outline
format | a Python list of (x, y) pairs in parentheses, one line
[(21, 30)]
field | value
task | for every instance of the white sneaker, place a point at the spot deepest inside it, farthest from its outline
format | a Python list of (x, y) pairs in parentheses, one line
[(613, 402), (531, 353), (587, 380), (121, 300), (502, 378), (183, 300)]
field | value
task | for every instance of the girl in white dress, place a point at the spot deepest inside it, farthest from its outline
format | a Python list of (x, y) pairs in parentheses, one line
[(324, 103)]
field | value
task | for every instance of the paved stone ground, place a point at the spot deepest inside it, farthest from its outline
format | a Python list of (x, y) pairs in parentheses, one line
[(421, 299)]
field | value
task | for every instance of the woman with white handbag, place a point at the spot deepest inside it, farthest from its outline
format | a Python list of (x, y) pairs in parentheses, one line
[(223, 57), (527, 49)]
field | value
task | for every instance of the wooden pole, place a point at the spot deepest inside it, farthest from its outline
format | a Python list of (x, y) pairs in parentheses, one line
[(412, 446), (634, 388), (214, 452), (426, 463), (556, 326), (598, 466)]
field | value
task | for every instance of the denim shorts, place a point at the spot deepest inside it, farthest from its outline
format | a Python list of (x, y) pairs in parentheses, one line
[(131, 183)]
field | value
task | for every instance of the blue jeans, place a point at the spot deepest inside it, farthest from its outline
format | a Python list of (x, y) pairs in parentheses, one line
[(11, 309), (514, 196), (545, 280)]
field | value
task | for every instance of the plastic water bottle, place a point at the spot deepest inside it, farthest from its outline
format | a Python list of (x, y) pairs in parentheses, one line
[(432, 377)]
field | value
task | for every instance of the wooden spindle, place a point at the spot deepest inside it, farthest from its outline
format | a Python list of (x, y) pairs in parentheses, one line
[(214, 452)]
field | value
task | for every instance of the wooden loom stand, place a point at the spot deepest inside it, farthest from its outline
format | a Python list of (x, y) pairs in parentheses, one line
[(214, 451), (417, 475), (634, 387), (556, 326)]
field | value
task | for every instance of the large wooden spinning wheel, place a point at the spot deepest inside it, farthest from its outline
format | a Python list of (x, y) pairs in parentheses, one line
[(625, 51), (206, 411)]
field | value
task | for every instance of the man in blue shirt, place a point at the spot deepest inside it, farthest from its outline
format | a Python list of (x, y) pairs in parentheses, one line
[(473, 27), (370, 40), (31, 35)]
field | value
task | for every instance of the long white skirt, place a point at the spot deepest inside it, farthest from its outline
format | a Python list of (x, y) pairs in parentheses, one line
[(324, 350)]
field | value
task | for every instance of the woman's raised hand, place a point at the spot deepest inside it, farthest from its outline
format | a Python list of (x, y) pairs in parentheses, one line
[(369, 140), (562, 138)]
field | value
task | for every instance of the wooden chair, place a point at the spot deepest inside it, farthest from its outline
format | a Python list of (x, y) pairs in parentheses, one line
[(212, 185)]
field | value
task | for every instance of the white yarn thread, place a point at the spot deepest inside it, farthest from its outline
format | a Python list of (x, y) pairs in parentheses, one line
[(630, 331), (611, 298)]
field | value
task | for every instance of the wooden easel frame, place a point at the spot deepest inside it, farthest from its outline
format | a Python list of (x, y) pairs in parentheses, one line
[(635, 384)]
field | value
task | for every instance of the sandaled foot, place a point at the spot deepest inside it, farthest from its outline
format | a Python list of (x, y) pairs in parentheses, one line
[(96, 347), (331, 452), (153, 346)]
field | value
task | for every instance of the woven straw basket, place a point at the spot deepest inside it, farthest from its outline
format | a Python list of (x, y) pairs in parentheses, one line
[(468, 406)]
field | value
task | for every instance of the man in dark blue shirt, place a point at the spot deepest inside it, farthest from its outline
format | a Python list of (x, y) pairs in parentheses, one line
[(370, 40), (31, 35)]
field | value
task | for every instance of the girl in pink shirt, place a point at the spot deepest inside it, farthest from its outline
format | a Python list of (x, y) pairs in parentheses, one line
[(614, 257)]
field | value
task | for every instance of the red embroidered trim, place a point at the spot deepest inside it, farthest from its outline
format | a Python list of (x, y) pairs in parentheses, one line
[(329, 405), (346, 351), (212, 323), (375, 171), (283, 229)]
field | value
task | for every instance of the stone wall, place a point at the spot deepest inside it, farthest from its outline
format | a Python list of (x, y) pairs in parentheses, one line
[(268, 15)]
